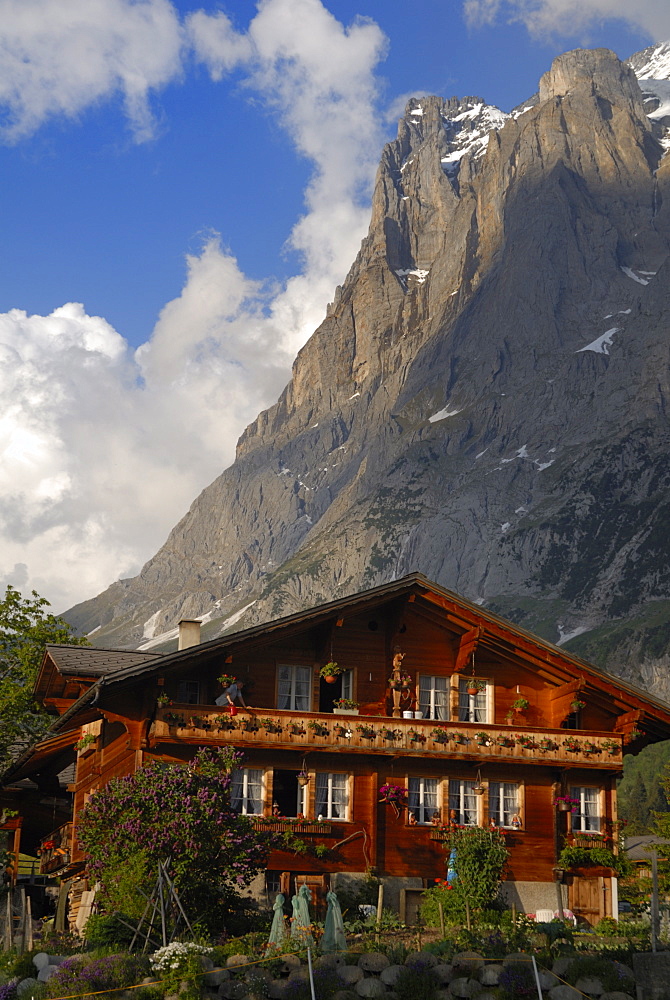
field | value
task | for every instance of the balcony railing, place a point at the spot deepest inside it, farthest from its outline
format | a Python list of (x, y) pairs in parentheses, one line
[(379, 735), (55, 850)]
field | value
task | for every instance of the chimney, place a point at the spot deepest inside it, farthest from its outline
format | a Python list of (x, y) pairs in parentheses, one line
[(189, 633)]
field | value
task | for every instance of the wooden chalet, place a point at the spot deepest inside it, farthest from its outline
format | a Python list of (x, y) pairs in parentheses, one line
[(450, 739)]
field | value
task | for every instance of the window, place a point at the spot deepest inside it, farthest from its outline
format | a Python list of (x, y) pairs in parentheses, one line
[(462, 802), (294, 691), (332, 795), (422, 798), (433, 697), (472, 707), (289, 797), (504, 803), (347, 684), (246, 791), (188, 693), (586, 816)]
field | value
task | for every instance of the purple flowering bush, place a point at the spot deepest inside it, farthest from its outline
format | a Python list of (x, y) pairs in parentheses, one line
[(83, 974), (8, 990), (177, 812)]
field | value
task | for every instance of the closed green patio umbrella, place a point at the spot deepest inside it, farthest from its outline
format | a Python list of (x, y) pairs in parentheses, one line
[(300, 926), (333, 933), (278, 929)]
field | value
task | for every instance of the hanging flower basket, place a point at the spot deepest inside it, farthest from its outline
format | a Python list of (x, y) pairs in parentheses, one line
[(573, 745), (475, 686), (390, 734), (393, 795), (565, 803), (367, 732), (303, 778), (483, 739), (527, 742), (520, 704), (612, 747), (416, 737), (330, 671), (317, 728), (439, 735), (547, 744), (576, 705)]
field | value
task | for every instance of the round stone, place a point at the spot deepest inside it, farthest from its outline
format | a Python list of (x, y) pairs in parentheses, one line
[(564, 992), (443, 972), (421, 960), (233, 990), (463, 987), (370, 987), (590, 985), (373, 961), (468, 961), (616, 995), (389, 975), (40, 959), (234, 961), (350, 974), (490, 974), (26, 987)]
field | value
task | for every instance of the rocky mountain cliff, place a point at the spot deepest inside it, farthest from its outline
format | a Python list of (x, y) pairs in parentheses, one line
[(485, 401)]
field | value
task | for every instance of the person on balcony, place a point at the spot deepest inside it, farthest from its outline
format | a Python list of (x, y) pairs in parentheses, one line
[(231, 693)]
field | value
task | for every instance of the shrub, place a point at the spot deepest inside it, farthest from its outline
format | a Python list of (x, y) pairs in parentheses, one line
[(603, 969), (417, 983), (103, 931), (517, 980), (82, 974)]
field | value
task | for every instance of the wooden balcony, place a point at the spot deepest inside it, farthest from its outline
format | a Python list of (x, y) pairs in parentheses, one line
[(299, 827), (202, 725), (56, 850)]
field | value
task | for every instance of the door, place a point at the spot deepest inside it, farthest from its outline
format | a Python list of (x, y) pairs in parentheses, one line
[(589, 897)]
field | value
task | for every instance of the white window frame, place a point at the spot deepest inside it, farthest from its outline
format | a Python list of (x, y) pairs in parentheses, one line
[(419, 793), (458, 797), (503, 794), (474, 704), (591, 795), (293, 681), (258, 779), (428, 707), (330, 782), (347, 684)]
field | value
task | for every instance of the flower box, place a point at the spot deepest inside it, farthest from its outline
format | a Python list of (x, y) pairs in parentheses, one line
[(345, 711)]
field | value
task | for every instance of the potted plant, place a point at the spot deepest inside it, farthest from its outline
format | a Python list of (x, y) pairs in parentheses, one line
[(459, 738), (634, 734), (591, 748), (528, 742), (225, 722), (483, 739), (225, 680), (611, 746), (509, 717), (271, 725), (342, 731), (345, 706), (439, 735), (478, 788), (504, 741), (394, 794), (576, 705), (366, 731), (416, 736), (86, 742), (303, 777), (390, 734), (565, 803), (330, 671), (175, 719), (297, 729), (162, 700), (475, 685), (520, 704), (572, 744), (317, 728), (546, 743), (403, 680)]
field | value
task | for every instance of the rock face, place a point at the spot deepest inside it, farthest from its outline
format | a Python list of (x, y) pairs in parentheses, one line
[(486, 399)]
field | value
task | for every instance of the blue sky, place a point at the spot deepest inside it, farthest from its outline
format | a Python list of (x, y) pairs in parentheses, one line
[(196, 177)]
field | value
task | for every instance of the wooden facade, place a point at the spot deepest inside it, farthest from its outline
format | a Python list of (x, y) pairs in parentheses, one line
[(464, 761)]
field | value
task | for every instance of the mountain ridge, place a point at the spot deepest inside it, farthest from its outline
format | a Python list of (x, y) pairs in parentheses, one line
[(485, 400)]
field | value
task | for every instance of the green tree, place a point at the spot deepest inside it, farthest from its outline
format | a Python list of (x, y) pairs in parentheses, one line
[(175, 813), (25, 628), (477, 859)]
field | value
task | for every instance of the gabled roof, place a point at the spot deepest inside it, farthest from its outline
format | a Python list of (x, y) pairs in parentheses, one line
[(462, 615), (89, 661)]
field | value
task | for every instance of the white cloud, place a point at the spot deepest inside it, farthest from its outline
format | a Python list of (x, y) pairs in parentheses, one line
[(545, 18), (59, 58), (101, 451)]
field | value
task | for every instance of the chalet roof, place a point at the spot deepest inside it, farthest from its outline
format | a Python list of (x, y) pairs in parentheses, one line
[(89, 661), (637, 846), (462, 614)]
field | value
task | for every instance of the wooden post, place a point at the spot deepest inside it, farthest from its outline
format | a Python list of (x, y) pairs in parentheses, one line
[(468, 924), (654, 901), (441, 909), (9, 944), (380, 909), (513, 914), (29, 924), (559, 899)]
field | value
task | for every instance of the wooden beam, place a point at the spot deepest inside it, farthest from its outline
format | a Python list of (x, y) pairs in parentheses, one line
[(467, 646)]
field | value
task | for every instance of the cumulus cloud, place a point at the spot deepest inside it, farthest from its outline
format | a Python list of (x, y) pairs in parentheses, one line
[(569, 17), (103, 449), (61, 58)]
